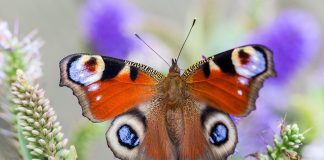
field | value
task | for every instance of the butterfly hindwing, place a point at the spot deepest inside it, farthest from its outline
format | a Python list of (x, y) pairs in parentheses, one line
[(141, 134), (106, 86), (230, 80)]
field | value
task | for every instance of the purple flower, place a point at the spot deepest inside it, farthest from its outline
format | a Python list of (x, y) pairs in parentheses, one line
[(257, 130), (106, 24), (294, 37)]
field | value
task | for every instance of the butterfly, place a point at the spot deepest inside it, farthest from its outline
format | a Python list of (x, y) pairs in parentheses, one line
[(177, 116)]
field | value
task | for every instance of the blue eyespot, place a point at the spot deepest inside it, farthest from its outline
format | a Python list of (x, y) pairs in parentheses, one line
[(127, 137), (219, 134)]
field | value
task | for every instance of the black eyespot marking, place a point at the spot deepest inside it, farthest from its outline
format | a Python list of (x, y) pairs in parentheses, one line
[(206, 69), (259, 48), (218, 134), (139, 114), (133, 73), (91, 64), (74, 58), (127, 137), (92, 61), (112, 68), (224, 61), (244, 57), (205, 114)]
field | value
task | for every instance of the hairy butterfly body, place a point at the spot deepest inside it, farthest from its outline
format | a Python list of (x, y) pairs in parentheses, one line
[(178, 116)]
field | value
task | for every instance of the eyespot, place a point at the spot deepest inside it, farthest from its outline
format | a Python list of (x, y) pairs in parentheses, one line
[(127, 137), (125, 134), (219, 134), (85, 69), (249, 61)]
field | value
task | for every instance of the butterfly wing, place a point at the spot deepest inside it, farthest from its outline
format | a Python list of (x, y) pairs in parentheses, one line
[(106, 86), (141, 134), (230, 81)]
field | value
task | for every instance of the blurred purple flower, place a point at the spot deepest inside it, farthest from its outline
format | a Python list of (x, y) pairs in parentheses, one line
[(106, 25), (294, 37), (257, 130)]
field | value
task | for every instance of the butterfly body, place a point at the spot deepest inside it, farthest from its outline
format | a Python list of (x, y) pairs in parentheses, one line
[(178, 116), (172, 98), (173, 88)]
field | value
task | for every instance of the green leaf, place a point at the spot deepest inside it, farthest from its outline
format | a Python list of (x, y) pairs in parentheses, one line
[(25, 152), (73, 154)]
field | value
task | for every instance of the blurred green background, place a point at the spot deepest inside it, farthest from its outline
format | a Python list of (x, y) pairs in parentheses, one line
[(221, 25)]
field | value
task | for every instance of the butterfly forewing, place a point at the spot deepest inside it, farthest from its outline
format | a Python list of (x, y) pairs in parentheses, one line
[(230, 81), (105, 86)]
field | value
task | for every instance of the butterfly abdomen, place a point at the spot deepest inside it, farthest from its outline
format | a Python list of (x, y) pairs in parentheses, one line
[(174, 124)]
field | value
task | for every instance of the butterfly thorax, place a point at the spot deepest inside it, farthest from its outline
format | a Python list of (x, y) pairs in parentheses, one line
[(173, 88)]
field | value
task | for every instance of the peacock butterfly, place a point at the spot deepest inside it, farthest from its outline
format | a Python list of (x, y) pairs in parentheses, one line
[(177, 116)]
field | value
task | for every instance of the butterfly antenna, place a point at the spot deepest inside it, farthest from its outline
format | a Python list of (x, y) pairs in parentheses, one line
[(151, 49), (193, 23)]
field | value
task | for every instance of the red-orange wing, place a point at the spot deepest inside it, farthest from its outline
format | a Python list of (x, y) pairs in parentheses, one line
[(230, 80), (105, 86)]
